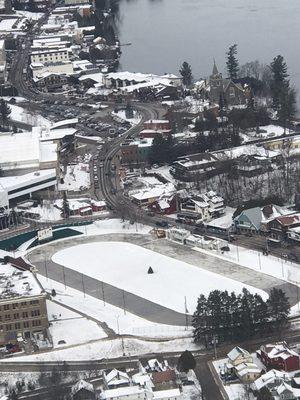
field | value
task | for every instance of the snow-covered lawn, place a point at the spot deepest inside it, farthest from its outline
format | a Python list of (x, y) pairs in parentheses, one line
[(71, 327), (77, 178), (114, 317), (20, 114), (125, 265)]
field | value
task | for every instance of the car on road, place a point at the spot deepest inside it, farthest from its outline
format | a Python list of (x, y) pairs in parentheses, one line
[(162, 224)]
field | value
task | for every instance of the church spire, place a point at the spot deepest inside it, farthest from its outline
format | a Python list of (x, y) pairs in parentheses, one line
[(215, 69)]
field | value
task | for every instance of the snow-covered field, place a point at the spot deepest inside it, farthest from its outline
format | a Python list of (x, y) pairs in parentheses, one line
[(125, 265), (71, 327), (121, 116)]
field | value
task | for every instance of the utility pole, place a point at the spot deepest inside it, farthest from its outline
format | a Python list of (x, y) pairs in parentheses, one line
[(259, 260), (124, 305), (186, 314), (46, 269)]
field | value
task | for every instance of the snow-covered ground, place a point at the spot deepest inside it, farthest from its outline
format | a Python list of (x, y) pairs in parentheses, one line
[(114, 317), (77, 178), (110, 349), (121, 116), (20, 114), (71, 327), (171, 282)]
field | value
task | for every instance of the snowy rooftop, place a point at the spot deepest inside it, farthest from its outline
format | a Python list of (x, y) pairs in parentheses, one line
[(15, 182), (19, 147), (166, 394), (14, 283), (122, 392), (64, 122)]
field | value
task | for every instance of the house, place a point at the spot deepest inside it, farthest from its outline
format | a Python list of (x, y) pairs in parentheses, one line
[(279, 356), (215, 202), (165, 205), (232, 93), (126, 393), (247, 372), (171, 394), (280, 226), (115, 379), (153, 127), (150, 195), (271, 380), (83, 390), (164, 380), (48, 81), (178, 235), (196, 206), (258, 218), (191, 167), (238, 356), (287, 392)]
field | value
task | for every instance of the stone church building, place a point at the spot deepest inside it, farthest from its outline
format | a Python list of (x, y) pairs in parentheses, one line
[(233, 93)]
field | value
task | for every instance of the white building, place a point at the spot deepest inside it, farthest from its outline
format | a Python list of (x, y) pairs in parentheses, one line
[(12, 187), (26, 150), (50, 56)]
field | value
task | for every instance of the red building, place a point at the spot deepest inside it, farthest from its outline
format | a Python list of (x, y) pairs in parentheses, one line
[(165, 205), (279, 356), (152, 127)]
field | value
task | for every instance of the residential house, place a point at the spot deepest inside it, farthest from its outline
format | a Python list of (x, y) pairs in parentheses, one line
[(127, 393), (247, 372), (178, 235), (190, 168), (48, 81), (83, 390), (258, 218), (171, 394), (115, 378), (215, 202), (239, 356), (287, 392), (164, 380), (196, 206), (153, 127), (165, 205), (271, 380), (280, 226), (279, 356)]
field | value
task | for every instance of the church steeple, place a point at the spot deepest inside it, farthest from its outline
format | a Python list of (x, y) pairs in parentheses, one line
[(215, 69)]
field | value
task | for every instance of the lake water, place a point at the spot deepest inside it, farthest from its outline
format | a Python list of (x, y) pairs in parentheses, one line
[(164, 33)]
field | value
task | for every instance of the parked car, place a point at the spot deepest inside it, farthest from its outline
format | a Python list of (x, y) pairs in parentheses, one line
[(162, 224)]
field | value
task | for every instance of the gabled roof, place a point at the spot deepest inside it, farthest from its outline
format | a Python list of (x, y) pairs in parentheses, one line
[(288, 220), (163, 376), (120, 375), (270, 377), (82, 385), (237, 352)]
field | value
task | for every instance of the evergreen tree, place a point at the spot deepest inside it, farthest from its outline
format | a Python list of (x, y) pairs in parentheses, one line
[(161, 150), (66, 207), (186, 73), (279, 309), (279, 82), (5, 111), (186, 362), (287, 106), (200, 320), (232, 62), (12, 395)]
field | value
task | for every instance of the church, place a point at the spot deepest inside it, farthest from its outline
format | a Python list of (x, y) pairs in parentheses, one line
[(233, 93)]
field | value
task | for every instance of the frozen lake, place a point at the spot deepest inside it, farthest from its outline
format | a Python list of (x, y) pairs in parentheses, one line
[(164, 33)]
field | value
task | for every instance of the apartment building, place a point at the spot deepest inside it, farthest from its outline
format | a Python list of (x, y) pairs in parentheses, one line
[(23, 311), (50, 56)]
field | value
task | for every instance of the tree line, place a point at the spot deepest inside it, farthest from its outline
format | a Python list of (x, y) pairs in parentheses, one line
[(227, 317)]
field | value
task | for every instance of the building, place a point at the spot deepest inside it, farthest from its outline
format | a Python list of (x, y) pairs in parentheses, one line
[(27, 150), (83, 390), (13, 188), (49, 81), (115, 379), (2, 62), (23, 311), (136, 152), (154, 127), (195, 206), (50, 56), (239, 356), (190, 168), (271, 380), (247, 372), (127, 393), (279, 356), (232, 93)]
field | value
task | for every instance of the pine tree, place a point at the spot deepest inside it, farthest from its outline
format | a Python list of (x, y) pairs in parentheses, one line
[(66, 207), (232, 62), (279, 81), (186, 362), (5, 111), (260, 315), (279, 309), (200, 321), (264, 394), (287, 106), (157, 151), (186, 73)]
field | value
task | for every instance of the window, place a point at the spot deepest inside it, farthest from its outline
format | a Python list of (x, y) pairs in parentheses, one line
[(15, 305), (7, 316), (26, 324), (36, 323), (8, 327), (25, 314), (17, 325), (24, 304), (6, 307), (35, 313), (16, 316), (34, 302)]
